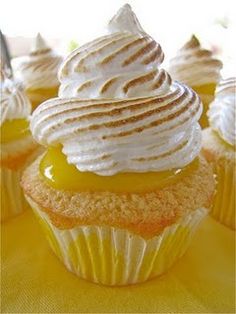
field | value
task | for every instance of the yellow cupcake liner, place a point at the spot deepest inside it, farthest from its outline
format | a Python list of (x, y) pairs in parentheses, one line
[(13, 201), (12, 198), (223, 208), (112, 256)]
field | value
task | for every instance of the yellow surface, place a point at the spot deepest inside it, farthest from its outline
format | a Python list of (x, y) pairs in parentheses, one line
[(61, 175), (35, 281), (12, 130)]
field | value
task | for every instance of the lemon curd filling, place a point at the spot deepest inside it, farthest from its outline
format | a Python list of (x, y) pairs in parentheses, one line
[(208, 89), (206, 92), (12, 130), (39, 95), (55, 169)]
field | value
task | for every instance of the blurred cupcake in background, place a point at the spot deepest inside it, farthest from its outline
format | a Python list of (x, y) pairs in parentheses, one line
[(38, 72), (219, 142), (199, 69), (72, 45), (122, 187), (17, 145)]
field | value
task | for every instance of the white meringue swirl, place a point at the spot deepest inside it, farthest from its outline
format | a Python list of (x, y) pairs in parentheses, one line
[(39, 69), (194, 65), (119, 65), (223, 109), (14, 102), (117, 111)]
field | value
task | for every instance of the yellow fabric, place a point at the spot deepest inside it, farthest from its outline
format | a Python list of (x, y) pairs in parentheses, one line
[(35, 281)]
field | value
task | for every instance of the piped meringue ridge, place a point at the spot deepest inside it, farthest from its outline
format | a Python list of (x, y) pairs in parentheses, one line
[(14, 102), (223, 109)]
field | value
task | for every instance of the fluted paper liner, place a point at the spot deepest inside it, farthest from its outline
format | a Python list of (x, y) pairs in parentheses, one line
[(13, 201), (223, 208), (12, 198), (113, 256)]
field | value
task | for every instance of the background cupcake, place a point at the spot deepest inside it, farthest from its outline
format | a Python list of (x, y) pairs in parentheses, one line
[(219, 148), (38, 71), (17, 145), (121, 189), (199, 69)]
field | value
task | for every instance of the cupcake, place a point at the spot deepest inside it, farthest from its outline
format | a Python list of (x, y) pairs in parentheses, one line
[(17, 145), (121, 188), (199, 69), (38, 72), (219, 148)]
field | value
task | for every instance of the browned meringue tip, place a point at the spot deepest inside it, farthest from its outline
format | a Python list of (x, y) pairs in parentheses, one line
[(192, 43), (39, 46)]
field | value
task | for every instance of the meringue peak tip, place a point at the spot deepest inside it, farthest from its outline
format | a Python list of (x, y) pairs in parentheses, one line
[(126, 6), (195, 39), (39, 44), (125, 20), (193, 42)]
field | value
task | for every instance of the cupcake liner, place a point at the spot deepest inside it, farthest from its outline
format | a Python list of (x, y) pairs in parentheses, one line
[(12, 198), (13, 201), (223, 208), (113, 256)]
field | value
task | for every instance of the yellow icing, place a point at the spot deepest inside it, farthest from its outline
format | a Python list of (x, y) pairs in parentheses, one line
[(60, 175)]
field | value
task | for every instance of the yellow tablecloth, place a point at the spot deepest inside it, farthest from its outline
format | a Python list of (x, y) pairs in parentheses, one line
[(34, 281)]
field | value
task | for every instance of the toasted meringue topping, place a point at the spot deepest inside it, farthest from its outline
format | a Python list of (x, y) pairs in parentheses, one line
[(14, 102), (194, 65), (119, 65), (39, 69), (222, 111), (117, 111)]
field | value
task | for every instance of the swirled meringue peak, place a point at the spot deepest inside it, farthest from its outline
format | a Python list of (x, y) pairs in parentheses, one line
[(14, 102), (194, 65), (117, 111), (39, 69), (223, 109), (125, 21)]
